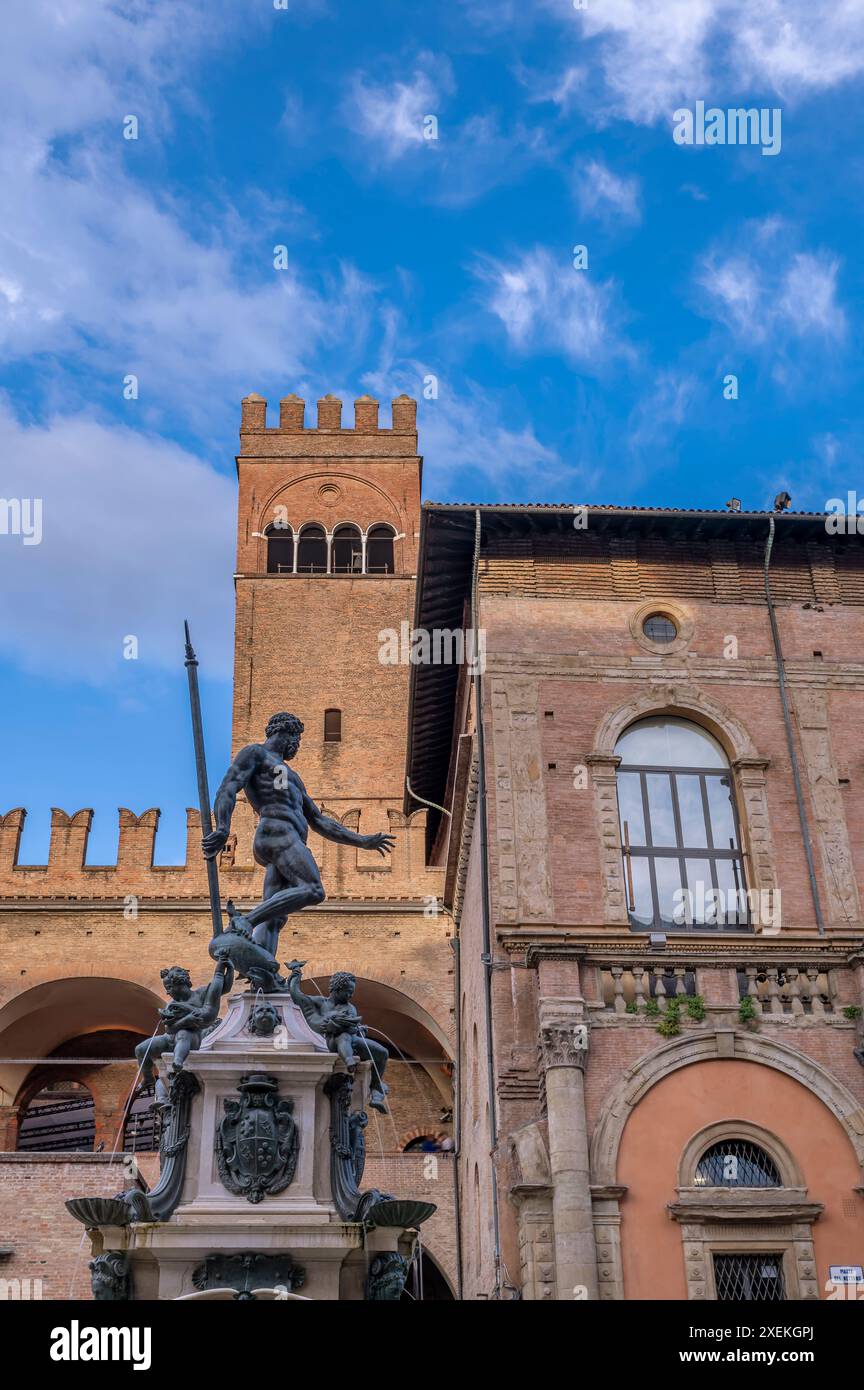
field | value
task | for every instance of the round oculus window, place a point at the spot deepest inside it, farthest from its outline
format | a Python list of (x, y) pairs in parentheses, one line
[(658, 628)]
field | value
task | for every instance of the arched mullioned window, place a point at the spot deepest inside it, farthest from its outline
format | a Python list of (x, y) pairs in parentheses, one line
[(683, 864), (59, 1119), (280, 549), (379, 550), (312, 551), (347, 551)]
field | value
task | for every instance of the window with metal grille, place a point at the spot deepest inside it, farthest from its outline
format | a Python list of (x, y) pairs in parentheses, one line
[(659, 628), (737, 1163), (749, 1278), (332, 726), (142, 1127), (59, 1119), (683, 866)]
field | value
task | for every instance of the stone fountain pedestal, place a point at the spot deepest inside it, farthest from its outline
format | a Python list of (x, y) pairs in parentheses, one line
[(259, 1192)]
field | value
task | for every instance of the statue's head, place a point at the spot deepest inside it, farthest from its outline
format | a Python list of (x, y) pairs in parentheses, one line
[(109, 1277), (342, 986), (285, 730), (177, 982), (386, 1278)]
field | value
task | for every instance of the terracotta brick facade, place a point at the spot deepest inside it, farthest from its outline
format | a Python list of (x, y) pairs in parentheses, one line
[(567, 670)]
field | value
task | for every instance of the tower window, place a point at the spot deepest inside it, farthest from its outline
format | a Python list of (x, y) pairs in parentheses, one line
[(312, 551), (379, 551), (332, 726), (347, 555), (280, 550)]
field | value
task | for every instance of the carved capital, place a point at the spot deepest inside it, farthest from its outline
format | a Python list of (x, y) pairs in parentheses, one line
[(563, 1043)]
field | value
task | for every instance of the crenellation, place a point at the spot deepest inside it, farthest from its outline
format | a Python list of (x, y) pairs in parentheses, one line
[(69, 835), (11, 827), (348, 872), (355, 439), (137, 837)]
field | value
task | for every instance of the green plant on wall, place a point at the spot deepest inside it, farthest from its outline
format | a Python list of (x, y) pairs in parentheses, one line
[(747, 1012), (852, 1011), (670, 1023), (696, 1007)]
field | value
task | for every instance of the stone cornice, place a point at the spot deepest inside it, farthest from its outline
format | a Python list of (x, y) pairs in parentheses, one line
[(591, 668), (202, 905), (534, 943), (757, 1206)]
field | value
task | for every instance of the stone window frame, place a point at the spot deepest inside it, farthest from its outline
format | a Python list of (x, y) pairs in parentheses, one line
[(749, 768), (662, 608), (712, 1134), (745, 1220)]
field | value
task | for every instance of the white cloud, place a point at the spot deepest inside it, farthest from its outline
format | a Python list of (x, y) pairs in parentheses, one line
[(466, 444), (605, 194), (469, 436), (137, 534), (125, 278), (652, 57), (452, 163), (768, 293), (390, 115), (547, 305)]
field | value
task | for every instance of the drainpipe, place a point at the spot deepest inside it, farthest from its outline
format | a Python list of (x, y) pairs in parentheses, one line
[(457, 1105), (790, 740), (486, 906)]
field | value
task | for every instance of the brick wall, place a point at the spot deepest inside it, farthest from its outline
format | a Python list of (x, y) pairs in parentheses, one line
[(47, 1243)]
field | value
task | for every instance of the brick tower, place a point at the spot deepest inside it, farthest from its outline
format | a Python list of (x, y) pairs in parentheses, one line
[(326, 558)]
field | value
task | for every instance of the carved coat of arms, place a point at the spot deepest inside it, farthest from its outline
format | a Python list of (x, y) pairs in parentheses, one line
[(257, 1141)]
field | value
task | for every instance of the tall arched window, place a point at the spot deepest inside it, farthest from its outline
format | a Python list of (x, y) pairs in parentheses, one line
[(280, 550), (683, 865), (347, 556), (379, 550), (312, 551)]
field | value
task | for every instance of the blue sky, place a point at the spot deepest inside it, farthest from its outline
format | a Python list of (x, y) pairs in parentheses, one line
[(406, 257)]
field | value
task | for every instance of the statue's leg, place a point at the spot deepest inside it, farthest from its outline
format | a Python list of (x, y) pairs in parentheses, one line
[(345, 1048), (291, 883), (266, 934), (147, 1052), (379, 1057), (186, 1041)]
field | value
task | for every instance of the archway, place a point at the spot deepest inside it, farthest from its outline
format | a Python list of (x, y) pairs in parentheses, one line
[(82, 1029), (661, 1116)]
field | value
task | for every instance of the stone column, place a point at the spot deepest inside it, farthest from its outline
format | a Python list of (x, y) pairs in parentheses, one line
[(564, 1048)]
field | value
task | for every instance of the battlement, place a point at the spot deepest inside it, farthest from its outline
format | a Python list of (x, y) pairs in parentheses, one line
[(348, 872), (292, 422)]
